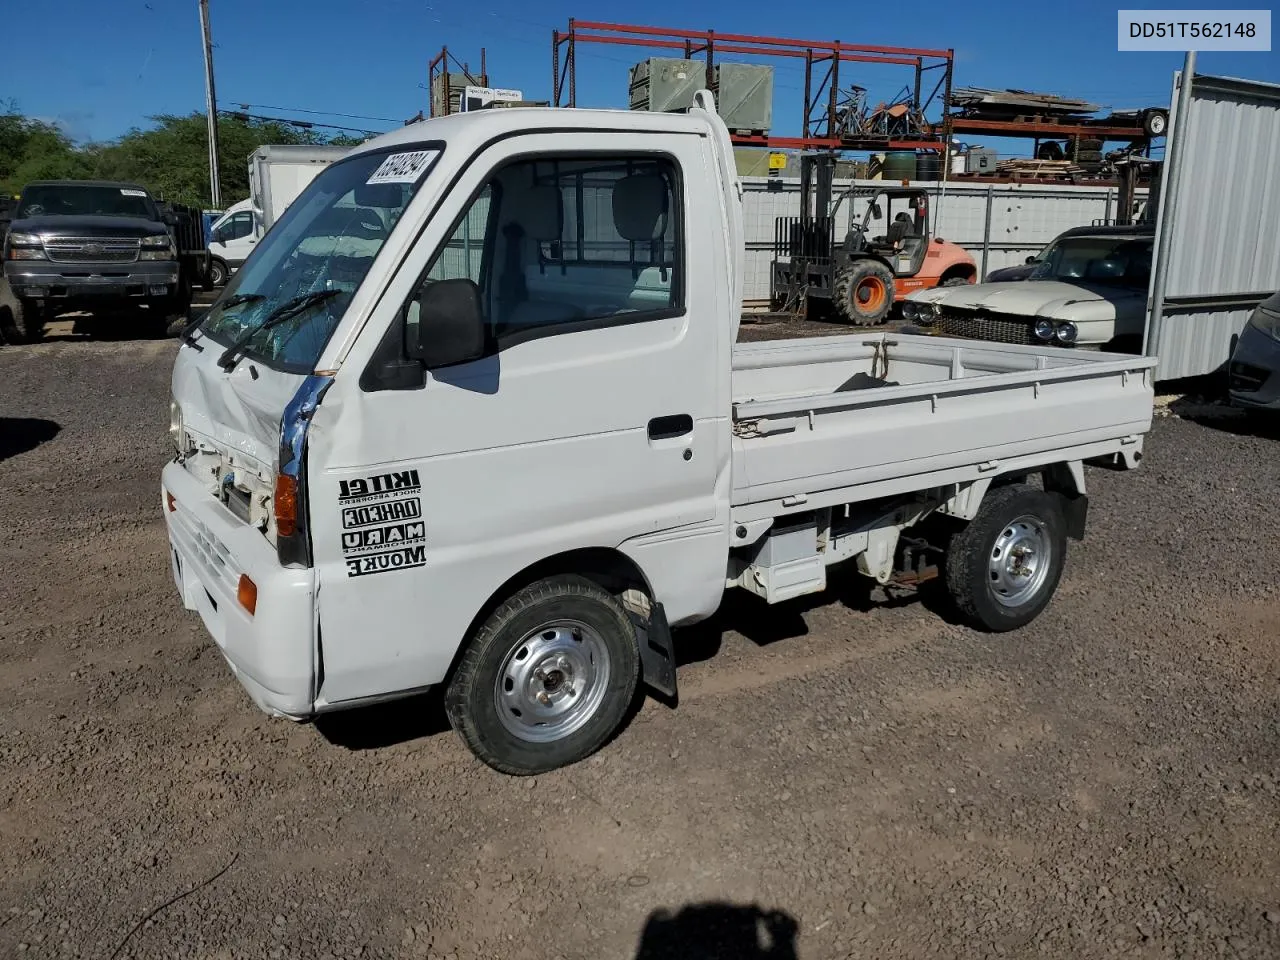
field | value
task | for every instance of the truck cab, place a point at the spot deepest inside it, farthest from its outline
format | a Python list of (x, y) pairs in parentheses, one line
[(231, 239), (472, 416), (99, 246)]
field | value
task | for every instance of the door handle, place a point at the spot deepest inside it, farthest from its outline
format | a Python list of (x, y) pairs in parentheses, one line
[(665, 428)]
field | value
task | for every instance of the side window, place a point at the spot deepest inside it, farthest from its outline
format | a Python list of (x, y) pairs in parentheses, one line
[(555, 242), (240, 225)]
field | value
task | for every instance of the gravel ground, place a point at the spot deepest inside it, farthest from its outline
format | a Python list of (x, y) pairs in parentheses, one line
[(850, 776)]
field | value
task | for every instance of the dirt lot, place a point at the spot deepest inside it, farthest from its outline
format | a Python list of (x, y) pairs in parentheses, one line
[(848, 777)]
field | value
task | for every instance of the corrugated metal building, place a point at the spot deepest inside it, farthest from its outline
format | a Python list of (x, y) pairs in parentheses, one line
[(1218, 226)]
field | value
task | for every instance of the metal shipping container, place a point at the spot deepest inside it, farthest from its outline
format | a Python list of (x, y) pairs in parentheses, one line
[(664, 85), (1217, 243), (744, 95)]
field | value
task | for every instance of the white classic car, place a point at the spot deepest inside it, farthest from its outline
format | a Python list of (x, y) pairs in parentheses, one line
[(1089, 289)]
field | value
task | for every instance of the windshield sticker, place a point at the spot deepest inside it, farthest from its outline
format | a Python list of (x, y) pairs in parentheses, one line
[(133, 193), (382, 526), (403, 167)]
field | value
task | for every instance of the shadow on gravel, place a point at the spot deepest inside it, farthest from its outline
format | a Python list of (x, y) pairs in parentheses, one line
[(386, 724), (763, 623), (23, 434), (1234, 420), (718, 931)]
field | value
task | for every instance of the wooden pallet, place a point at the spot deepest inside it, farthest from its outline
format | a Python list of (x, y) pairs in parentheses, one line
[(1040, 169)]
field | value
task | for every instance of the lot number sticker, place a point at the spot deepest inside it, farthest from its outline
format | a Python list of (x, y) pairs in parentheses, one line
[(382, 525), (133, 193), (403, 167)]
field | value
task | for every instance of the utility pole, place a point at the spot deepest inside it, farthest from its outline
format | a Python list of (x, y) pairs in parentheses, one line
[(211, 107)]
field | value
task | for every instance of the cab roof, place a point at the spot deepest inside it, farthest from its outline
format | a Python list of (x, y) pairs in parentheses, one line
[(476, 128)]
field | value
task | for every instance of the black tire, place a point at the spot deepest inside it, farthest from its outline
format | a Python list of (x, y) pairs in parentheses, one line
[(864, 293), (23, 321), (1155, 123), (1007, 515), (524, 621), (217, 273), (954, 282)]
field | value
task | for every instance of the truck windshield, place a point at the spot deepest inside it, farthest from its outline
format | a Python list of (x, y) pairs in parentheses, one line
[(85, 200), (1115, 261), (326, 239)]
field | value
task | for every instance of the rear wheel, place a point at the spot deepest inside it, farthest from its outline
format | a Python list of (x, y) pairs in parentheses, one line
[(1004, 566), (958, 281), (1155, 123), (863, 293), (547, 679), (23, 321)]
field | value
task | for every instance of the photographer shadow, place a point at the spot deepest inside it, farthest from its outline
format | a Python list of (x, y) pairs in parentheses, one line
[(718, 931)]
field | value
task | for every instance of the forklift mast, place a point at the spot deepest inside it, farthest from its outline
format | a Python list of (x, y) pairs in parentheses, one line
[(817, 173)]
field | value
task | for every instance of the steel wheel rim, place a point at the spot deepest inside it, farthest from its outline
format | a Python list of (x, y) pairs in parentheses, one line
[(1019, 562), (552, 681)]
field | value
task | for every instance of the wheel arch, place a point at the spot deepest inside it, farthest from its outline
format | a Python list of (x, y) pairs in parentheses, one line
[(608, 568)]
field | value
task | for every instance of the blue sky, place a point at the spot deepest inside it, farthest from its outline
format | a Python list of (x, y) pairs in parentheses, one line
[(108, 72)]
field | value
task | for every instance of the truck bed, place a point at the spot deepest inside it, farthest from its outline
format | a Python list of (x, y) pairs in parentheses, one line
[(839, 419)]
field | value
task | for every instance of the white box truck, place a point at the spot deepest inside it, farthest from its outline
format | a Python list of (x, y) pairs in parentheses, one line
[(279, 172), (478, 419)]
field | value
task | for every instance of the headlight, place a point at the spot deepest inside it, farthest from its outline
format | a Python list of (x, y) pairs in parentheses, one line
[(25, 246), (1066, 333), (910, 309), (175, 426), (157, 248), (1044, 329), (1267, 322)]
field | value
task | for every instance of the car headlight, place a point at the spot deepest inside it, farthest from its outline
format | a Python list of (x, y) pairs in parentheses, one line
[(1066, 333), (176, 433), (1267, 322), (1044, 329), (910, 309), (157, 248), (25, 246)]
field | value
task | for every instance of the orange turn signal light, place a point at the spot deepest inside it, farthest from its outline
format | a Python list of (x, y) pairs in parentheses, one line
[(247, 594), (286, 505)]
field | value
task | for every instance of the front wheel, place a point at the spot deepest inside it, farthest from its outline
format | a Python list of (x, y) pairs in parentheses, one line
[(864, 292), (24, 321), (547, 679), (1004, 566)]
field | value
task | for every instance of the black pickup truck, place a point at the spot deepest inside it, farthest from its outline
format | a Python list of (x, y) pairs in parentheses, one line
[(100, 247)]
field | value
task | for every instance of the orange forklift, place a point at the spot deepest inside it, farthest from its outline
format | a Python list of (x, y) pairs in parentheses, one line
[(880, 260)]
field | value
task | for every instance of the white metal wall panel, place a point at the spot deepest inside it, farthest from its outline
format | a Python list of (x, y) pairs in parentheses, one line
[(1024, 217), (1223, 252)]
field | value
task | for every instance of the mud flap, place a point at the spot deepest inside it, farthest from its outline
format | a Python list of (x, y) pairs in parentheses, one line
[(1075, 511), (657, 657)]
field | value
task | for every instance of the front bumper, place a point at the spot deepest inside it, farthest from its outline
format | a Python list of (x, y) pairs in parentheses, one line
[(272, 651), (1253, 373), (46, 280)]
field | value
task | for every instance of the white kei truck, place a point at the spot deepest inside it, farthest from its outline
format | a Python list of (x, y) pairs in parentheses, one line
[(473, 416)]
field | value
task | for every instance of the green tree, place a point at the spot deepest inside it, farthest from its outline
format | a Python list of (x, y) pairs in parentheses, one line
[(172, 158), (32, 149)]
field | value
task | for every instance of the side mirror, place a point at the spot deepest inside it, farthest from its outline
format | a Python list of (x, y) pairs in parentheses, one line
[(170, 218), (450, 327), (1030, 259), (876, 212)]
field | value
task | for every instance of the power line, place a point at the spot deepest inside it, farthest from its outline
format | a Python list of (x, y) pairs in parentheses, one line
[(304, 124), (318, 113)]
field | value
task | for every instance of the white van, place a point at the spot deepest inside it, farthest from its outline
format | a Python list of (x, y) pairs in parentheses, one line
[(473, 415), (231, 239)]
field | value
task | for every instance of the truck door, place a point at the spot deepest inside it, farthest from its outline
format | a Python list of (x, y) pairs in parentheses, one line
[(598, 417)]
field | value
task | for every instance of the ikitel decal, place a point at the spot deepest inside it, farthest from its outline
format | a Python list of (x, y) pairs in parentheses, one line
[(382, 525)]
